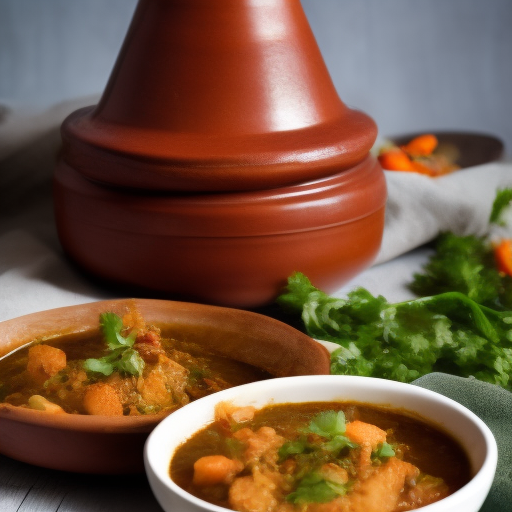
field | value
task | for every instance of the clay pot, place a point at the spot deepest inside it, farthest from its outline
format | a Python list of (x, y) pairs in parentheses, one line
[(233, 249), (98, 444), (220, 159)]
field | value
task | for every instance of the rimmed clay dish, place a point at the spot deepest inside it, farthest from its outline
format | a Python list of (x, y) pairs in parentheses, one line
[(106, 444), (234, 249)]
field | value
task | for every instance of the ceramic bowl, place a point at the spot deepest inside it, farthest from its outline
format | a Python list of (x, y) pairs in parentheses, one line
[(234, 249), (474, 436), (466, 149), (101, 444)]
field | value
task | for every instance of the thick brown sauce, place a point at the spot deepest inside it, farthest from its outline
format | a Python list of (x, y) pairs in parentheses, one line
[(431, 450)]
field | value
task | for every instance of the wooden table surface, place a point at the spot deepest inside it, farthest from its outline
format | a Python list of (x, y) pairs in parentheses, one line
[(26, 488)]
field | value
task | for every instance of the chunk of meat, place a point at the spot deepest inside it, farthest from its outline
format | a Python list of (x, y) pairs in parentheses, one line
[(215, 469), (164, 384), (262, 445), (427, 490), (258, 492), (39, 403), (45, 362), (232, 414), (380, 492), (149, 352), (103, 400)]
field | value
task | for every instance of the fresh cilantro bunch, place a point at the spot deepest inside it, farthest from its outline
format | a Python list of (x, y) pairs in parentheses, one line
[(467, 264), (121, 357), (448, 332)]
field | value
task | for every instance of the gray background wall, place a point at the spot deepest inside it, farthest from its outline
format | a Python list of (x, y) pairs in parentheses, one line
[(411, 64)]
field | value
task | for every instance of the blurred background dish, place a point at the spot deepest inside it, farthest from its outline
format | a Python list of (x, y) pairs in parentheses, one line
[(465, 149)]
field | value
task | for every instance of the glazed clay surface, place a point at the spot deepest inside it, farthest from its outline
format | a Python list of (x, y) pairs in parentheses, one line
[(217, 96), (230, 249)]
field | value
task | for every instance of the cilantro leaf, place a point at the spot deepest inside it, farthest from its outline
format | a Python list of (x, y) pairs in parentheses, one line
[(327, 424), (111, 327), (121, 357), (313, 488), (445, 332), (383, 451)]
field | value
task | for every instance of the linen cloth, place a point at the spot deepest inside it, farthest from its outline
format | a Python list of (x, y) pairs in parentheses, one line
[(494, 406)]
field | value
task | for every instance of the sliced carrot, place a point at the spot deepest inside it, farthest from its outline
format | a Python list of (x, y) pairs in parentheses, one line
[(503, 256), (422, 145), (395, 159)]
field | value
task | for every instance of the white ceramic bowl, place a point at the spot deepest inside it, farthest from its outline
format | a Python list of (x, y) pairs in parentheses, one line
[(466, 427)]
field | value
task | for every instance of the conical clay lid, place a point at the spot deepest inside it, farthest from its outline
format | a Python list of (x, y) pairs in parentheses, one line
[(217, 95)]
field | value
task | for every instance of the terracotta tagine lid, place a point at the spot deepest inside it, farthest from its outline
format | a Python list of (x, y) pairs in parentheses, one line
[(217, 96)]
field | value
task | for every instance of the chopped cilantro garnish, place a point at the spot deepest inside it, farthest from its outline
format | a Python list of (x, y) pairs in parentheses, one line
[(327, 424), (122, 357), (384, 450), (313, 488)]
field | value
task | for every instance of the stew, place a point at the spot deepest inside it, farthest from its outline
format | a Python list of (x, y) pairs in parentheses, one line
[(127, 369), (319, 457)]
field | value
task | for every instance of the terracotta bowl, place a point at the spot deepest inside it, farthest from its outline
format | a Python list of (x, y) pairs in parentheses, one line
[(443, 413), (234, 249), (101, 444)]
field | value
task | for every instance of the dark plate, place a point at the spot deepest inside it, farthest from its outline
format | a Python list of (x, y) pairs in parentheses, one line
[(466, 149)]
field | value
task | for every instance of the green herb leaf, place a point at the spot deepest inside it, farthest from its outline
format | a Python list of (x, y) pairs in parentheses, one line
[(327, 424), (314, 489), (122, 357), (446, 332), (111, 327), (384, 450), (292, 448), (501, 203), (98, 366)]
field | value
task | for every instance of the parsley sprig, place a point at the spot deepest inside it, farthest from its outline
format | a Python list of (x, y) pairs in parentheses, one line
[(121, 357)]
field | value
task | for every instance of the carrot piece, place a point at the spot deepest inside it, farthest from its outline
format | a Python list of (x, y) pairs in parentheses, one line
[(215, 469), (503, 256), (423, 145), (395, 159), (361, 432)]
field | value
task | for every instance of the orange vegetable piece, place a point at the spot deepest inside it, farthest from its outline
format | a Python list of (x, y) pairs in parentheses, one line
[(423, 145), (45, 362), (215, 469), (360, 432), (102, 399), (503, 256), (395, 160)]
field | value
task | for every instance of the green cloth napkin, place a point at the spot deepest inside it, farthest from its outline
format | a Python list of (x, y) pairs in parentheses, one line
[(494, 406)]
